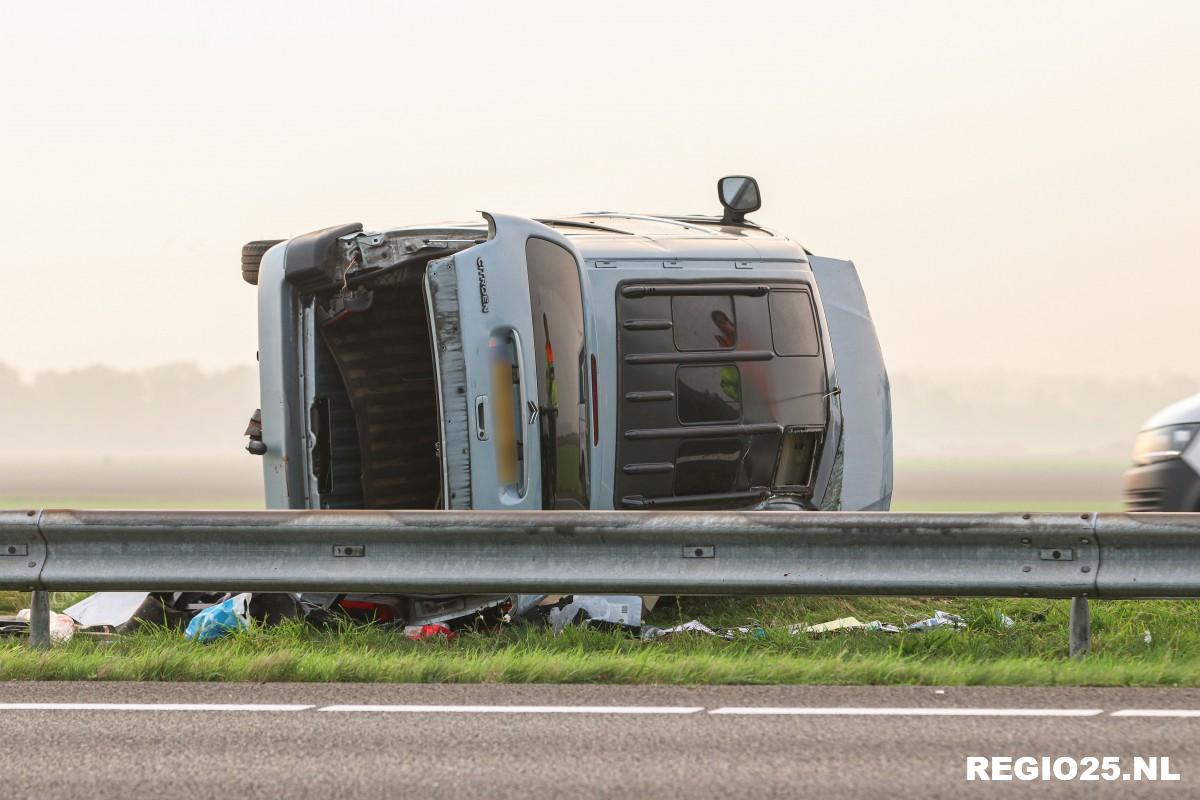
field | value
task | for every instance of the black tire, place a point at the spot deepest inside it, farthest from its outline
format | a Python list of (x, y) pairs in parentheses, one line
[(252, 253)]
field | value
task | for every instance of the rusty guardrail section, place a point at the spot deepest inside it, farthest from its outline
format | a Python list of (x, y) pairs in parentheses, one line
[(619, 552)]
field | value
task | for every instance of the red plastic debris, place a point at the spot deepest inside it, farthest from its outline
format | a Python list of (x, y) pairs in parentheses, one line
[(419, 632), (376, 612)]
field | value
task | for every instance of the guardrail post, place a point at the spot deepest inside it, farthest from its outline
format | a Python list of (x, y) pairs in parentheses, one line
[(1081, 627), (39, 620)]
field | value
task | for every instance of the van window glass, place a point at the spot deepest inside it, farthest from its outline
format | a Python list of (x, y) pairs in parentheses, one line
[(709, 393), (557, 307), (707, 466), (703, 322), (793, 324)]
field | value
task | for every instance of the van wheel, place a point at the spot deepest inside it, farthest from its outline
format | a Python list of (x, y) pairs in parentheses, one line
[(252, 253)]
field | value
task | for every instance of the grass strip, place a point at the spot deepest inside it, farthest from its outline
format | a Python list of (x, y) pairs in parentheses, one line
[(1033, 652)]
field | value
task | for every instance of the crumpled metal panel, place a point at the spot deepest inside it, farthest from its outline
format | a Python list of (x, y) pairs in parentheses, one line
[(441, 289)]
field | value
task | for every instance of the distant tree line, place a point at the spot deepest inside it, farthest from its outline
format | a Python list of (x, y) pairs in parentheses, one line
[(172, 411), (180, 410)]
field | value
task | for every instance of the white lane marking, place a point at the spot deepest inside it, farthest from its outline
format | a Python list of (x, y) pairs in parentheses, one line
[(150, 707), (1157, 712), (915, 712), (431, 709)]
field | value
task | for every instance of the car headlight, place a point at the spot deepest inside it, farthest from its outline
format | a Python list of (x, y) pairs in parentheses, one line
[(1162, 444)]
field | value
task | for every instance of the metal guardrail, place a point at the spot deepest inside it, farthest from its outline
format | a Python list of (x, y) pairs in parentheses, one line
[(619, 552)]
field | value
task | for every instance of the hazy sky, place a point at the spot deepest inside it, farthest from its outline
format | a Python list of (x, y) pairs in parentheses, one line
[(1018, 182)]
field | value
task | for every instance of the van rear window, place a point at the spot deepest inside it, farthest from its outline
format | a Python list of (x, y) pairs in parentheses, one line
[(707, 466), (556, 303), (703, 322), (793, 323), (709, 393)]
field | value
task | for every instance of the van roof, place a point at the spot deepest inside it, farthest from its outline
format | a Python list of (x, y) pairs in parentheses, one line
[(618, 236), (604, 235)]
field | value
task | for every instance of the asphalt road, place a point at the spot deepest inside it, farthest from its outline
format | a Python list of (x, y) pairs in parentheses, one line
[(241, 741)]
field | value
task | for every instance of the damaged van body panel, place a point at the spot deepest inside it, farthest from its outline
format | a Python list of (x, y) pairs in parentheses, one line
[(866, 395)]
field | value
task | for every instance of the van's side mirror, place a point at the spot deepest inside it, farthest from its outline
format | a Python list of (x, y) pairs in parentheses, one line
[(739, 195)]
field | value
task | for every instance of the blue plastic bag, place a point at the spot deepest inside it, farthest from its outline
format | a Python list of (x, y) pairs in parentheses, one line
[(215, 621)]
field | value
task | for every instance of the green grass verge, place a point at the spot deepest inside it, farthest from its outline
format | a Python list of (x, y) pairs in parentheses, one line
[(1031, 653)]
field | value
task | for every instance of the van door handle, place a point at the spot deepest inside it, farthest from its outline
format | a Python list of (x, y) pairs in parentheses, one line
[(481, 416)]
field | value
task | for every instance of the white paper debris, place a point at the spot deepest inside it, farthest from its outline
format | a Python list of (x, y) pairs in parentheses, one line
[(844, 623), (106, 608), (694, 626), (940, 619), (616, 609)]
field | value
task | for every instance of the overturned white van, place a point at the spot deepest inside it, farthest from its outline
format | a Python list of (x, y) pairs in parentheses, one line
[(589, 361)]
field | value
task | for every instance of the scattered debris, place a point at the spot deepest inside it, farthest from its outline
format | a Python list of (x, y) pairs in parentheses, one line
[(694, 626), (524, 604), (216, 621), (1148, 639), (107, 609), (13, 626), (419, 632), (208, 616), (844, 624), (371, 608), (746, 630), (62, 627), (621, 610), (940, 619)]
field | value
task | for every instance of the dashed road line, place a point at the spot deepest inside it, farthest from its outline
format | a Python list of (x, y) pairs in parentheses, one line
[(432, 709), (1157, 712), (151, 707), (850, 711)]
